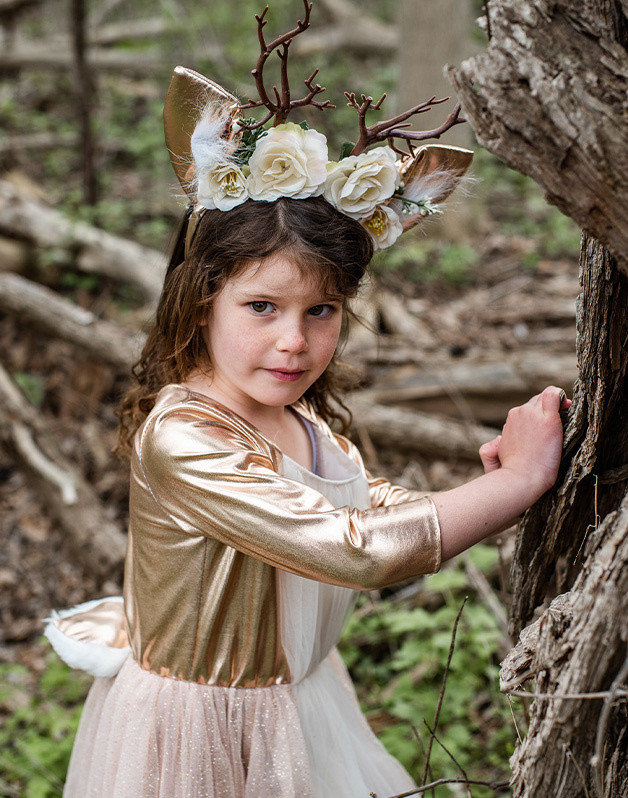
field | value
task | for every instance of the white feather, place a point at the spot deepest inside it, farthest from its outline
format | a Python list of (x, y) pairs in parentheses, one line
[(207, 142), (435, 186)]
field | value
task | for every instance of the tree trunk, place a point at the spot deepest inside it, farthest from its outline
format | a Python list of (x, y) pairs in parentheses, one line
[(594, 476), (549, 97), (434, 33), (578, 745), (84, 89)]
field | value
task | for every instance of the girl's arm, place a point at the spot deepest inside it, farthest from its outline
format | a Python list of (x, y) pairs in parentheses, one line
[(201, 471), (521, 464)]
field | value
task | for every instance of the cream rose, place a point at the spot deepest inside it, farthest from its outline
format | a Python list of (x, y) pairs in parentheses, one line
[(384, 226), (222, 187), (358, 183), (288, 162)]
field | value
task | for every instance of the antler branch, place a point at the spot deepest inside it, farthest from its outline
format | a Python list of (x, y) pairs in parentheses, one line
[(394, 128), (283, 103)]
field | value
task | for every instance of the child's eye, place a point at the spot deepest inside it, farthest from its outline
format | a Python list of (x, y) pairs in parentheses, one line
[(261, 308), (321, 310)]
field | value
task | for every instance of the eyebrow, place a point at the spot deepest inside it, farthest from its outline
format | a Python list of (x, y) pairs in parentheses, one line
[(270, 296)]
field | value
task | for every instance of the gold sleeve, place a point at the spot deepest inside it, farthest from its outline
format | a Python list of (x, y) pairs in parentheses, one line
[(212, 479)]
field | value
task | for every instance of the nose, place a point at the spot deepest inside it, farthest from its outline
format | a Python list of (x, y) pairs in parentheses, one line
[(292, 337)]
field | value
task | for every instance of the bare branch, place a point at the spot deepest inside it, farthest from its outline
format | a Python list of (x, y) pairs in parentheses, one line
[(450, 755), (492, 785), (442, 693), (283, 104), (393, 128)]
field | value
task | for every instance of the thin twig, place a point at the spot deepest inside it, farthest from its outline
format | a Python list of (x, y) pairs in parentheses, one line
[(442, 688), (492, 785), (514, 719), (569, 755), (452, 757), (593, 526), (569, 696), (488, 20), (487, 594), (597, 760), (417, 736)]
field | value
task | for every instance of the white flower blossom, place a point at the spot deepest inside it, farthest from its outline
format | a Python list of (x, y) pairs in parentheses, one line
[(223, 186), (357, 184), (288, 162), (384, 226)]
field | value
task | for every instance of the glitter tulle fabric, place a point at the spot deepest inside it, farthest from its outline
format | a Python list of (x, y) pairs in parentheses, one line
[(143, 735)]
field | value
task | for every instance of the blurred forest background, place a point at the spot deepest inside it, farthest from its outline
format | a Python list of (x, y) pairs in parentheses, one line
[(468, 315)]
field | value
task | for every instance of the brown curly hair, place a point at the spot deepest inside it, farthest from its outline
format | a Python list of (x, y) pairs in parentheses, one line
[(316, 235)]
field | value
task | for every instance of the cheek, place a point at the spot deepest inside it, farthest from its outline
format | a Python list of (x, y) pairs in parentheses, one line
[(327, 343), (232, 342)]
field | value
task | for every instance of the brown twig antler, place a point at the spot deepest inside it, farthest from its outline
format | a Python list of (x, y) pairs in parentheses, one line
[(395, 128), (281, 107)]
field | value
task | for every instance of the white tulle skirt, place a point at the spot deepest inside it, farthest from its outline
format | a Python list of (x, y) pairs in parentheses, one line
[(147, 736), (144, 736)]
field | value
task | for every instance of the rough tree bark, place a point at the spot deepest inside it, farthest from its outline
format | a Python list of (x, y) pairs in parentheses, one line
[(549, 98)]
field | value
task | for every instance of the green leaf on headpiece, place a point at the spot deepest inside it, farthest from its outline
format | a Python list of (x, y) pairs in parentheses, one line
[(346, 148), (304, 125), (247, 143)]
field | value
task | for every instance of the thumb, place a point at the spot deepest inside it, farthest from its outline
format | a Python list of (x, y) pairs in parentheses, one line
[(553, 400), (489, 456)]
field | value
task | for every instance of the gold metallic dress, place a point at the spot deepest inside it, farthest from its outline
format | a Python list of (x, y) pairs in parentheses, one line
[(241, 569)]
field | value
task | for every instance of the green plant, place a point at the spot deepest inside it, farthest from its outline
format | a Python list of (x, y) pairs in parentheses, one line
[(428, 261), (37, 727), (33, 386), (397, 654)]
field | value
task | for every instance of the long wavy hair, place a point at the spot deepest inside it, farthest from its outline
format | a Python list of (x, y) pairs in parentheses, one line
[(315, 235)]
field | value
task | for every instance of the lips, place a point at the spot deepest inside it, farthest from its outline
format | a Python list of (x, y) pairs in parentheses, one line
[(285, 375)]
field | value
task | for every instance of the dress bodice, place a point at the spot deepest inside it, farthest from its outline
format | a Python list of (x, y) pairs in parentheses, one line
[(220, 518)]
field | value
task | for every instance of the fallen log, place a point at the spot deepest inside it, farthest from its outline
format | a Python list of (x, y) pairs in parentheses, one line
[(36, 141), (59, 318), (481, 386), (13, 255), (92, 250), (115, 32), (120, 348), (410, 430), (94, 540), (35, 55)]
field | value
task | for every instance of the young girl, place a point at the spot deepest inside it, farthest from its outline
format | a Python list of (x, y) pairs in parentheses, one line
[(251, 523)]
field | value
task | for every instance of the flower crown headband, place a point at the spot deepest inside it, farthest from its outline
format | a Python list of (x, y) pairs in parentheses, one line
[(222, 159)]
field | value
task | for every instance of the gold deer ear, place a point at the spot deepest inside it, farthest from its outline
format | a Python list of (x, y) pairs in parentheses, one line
[(189, 94), (433, 173)]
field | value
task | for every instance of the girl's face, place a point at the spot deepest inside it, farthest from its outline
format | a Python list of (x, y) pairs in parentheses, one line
[(271, 332)]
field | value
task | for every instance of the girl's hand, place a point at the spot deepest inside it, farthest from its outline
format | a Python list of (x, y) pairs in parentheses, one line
[(531, 441), (520, 464)]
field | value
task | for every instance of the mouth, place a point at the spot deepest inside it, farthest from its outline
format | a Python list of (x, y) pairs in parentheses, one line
[(286, 375)]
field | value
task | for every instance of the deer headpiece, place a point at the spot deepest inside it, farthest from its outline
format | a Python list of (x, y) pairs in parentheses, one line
[(222, 159)]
